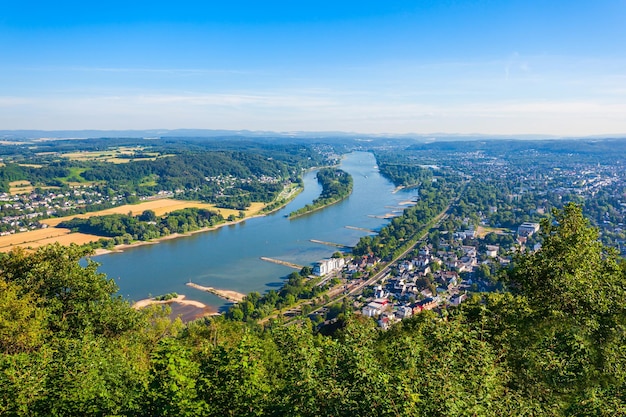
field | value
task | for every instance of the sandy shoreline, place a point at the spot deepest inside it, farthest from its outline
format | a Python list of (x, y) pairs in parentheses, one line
[(189, 309), (181, 299)]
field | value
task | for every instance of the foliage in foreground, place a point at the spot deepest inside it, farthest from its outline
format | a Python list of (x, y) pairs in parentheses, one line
[(552, 346)]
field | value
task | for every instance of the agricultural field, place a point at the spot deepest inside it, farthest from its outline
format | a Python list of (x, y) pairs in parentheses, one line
[(52, 234), (121, 155), (20, 187), (160, 208), (40, 237)]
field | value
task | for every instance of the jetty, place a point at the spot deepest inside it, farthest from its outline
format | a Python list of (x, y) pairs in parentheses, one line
[(385, 216), (361, 229), (337, 245), (227, 295), (279, 262)]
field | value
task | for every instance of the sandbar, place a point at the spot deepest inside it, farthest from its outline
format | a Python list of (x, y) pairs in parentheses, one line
[(180, 300)]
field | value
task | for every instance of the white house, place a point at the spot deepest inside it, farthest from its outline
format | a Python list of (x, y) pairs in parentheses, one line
[(375, 308)]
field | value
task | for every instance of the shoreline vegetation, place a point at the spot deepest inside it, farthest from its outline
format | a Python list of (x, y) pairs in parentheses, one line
[(33, 239), (336, 186), (190, 307), (287, 196)]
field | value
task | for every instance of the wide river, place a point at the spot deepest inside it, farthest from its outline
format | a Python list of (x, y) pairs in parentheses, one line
[(230, 257)]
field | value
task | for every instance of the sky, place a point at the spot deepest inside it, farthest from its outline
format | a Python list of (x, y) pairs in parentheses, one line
[(467, 67)]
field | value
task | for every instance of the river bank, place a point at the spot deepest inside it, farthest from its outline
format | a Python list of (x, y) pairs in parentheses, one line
[(231, 258), (287, 198), (123, 247), (295, 216)]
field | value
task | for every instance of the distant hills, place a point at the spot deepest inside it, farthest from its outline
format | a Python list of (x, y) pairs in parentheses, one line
[(208, 133)]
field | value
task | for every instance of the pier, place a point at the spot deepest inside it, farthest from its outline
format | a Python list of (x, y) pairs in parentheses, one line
[(337, 245), (361, 229), (285, 263), (227, 295), (385, 216)]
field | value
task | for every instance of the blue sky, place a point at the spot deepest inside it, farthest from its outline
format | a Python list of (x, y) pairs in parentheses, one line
[(493, 67)]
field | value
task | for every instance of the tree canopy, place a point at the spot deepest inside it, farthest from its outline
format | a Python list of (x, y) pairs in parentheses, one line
[(553, 345)]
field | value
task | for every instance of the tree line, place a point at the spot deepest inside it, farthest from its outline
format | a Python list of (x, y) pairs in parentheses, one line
[(336, 185), (125, 228)]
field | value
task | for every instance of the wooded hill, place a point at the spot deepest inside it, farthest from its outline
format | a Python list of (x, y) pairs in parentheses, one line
[(554, 345)]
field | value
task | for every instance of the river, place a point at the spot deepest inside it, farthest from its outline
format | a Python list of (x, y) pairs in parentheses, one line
[(230, 257)]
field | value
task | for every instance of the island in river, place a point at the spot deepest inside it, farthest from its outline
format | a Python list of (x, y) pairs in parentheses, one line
[(231, 257)]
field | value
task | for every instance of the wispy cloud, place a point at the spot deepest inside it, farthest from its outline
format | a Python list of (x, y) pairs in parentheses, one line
[(515, 62)]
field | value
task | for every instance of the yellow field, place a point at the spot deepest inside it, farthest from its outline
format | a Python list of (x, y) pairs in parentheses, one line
[(36, 238), (20, 187), (160, 207), (482, 231), (40, 237), (112, 156)]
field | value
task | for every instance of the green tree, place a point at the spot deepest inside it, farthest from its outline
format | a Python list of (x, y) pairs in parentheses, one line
[(173, 387), (568, 346), (77, 298)]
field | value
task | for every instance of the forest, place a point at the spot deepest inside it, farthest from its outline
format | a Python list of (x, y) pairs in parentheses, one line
[(146, 226), (336, 185), (227, 173), (551, 345)]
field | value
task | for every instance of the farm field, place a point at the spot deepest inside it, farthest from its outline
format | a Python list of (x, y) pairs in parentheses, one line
[(160, 207), (120, 155), (20, 187), (25, 187), (40, 237)]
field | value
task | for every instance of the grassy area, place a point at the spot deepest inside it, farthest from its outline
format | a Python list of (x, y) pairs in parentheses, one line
[(74, 176), (149, 181), (482, 231), (31, 165)]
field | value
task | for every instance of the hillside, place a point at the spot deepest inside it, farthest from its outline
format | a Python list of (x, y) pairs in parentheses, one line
[(552, 345)]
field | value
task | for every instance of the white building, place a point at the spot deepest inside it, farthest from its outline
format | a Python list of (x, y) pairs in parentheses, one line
[(375, 308), (492, 251), (326, 266), (527, 229)]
